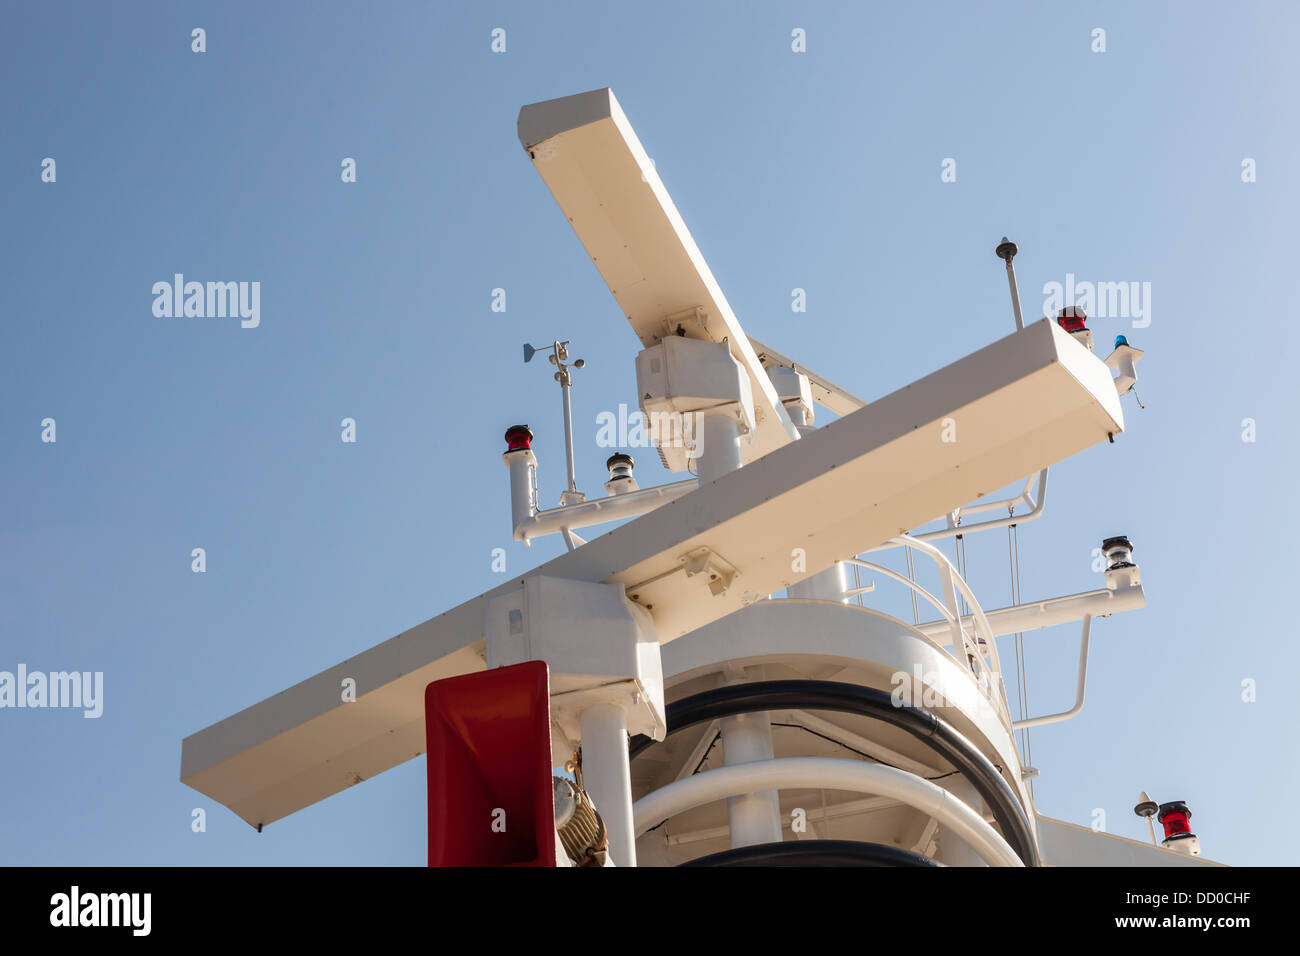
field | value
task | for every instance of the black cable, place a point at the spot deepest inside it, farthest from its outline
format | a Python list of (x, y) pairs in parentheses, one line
[(837, 743), (815, 853), (712, 743), (933, 731), (809, 730)]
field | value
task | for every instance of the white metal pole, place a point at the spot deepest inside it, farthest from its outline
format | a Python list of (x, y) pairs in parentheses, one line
[(565, 385), (1078, 694), (523, 500), (954, 850), (1007, 250), (630, 504), (719, 445), (754, 817), (607, 776), (1015, 294), (1037, 614)]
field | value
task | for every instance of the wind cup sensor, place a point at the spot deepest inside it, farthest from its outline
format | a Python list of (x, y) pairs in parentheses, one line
[(559, 357)]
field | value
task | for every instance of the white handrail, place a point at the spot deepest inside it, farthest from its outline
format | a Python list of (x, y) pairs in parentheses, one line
[(1035, 511), (1078, 694), (890, 573), (966, 651), (829, 773)]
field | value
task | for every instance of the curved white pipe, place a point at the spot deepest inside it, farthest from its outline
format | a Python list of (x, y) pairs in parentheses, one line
[(1036, 511), (631, 504), (827, 773), (982, 628), (1078, 694), (891, 573)]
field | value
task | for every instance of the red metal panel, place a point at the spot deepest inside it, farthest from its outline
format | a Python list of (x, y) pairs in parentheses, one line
[(488, 739)]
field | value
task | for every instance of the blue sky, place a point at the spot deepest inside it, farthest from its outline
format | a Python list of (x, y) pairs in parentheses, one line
[(817, 170)]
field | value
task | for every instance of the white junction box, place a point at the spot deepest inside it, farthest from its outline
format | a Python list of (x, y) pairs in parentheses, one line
[(598, 646), (795, 393), (682, 376)]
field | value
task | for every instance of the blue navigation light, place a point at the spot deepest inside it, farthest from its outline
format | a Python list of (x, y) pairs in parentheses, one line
[(1120, 340)]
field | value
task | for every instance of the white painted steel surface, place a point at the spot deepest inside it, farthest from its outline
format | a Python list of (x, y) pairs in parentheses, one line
[(1067, 844), (1024, 402), (591, 160)]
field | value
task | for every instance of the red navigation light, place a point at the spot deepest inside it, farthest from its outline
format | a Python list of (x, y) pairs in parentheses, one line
[(1072, 319), (1174, 817), (519, 438)]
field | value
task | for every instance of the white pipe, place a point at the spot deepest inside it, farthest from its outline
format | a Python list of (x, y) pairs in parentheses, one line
[(831, 774), (565, 385), (959, 852), (832, 812), (523, 485), (953, 582), (615, 507), (1078, 695), (951, 577), (607, 776), (719, 445), (754, 818), (1038, 614), (1015, 295), (890, 573), (1001, 504), (1034, 512)]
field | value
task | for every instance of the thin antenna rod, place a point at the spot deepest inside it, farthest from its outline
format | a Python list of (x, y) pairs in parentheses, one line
[(1007, 250), (564, 375), (565, 384), (1146, 809)]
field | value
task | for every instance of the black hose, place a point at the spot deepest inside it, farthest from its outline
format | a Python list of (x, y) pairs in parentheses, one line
[(936, 733), (815, 853)]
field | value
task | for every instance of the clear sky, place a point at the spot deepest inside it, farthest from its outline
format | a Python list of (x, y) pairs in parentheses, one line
[(820, 170)]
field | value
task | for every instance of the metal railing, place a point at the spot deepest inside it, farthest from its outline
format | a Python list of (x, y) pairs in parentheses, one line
[(973, 644), (1036, 505)]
